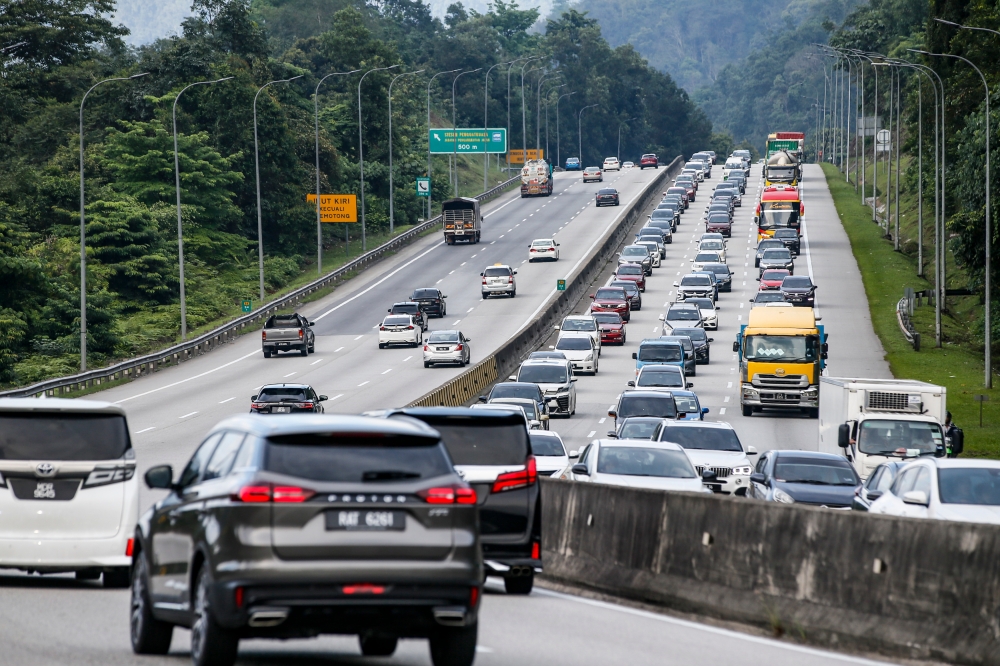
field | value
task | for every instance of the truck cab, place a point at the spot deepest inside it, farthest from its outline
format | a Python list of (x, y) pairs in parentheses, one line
[(780, 207)]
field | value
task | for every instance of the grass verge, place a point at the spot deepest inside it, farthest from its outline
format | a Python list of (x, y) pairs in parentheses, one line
[(957, 364)]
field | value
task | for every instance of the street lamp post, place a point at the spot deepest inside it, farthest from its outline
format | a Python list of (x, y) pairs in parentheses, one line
[(547, 96), (538, 111), (83, 217), (486, 103), (430, 193), (392, 210), (509, 69), (454, 121), (256, 165), (558, 99), (180, 228), (524, 122), (361, 154), (579, 130), (620, 125)]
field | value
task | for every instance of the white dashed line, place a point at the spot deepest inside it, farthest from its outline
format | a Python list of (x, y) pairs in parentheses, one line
[(339, 395), (317, 361), (139, 432), (726, 399), (290, 374), (357, 338), (454, 271), (407, 359), (603, 420), (722, 411), (455, 323), (362, 384), (462, 264), (222, 402), (187, 415), (387, 371), (591, 433), (730, 385), (337, 350)]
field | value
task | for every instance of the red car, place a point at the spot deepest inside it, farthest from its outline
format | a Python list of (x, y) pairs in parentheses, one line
[(611, 299), (612, 328), (689, 186), (633, 273), (719, 224), (681, 191), (649, 160), (772, 278)]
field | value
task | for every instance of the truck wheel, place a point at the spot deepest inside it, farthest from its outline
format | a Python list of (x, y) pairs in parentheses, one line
[(454, 646), (267, 354), (149, 635), (747, 410), (519, 584), (377, 646)]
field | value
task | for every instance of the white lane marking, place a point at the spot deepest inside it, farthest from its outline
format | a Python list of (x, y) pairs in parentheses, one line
[(462, 264), (730, 385), (439, 281), (317, 361), (473, 256), (809, 261), (337, 350), (387, 371), (187, 415), (501, 236), (451, 272), (339, 395), (603, 420), (591, 433), (222, 402), (741, 306), (509, 230), (739, 317), (726, 399), (289, 375), (456, 322), (357, 338), (139, 432), (655, 329), (723, 410), (362, 384), (183, 381), (407, 359), (483, 648), (470, 310), (492, 242)]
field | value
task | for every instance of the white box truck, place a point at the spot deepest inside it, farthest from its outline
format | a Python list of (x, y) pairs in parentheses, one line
[(870, 421)]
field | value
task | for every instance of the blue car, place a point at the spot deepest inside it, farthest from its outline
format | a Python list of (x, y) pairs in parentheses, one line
[(572, 164), (805, 477), (656, 350), (688, 406)]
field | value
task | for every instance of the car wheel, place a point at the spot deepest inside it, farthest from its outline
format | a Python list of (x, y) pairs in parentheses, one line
[(747, 410), (381, 345), (513, 293), (211, 645), (304, 351), (377, 646), (267, 354), (426, 364), (519, 584), (116, 578), (312, 348), (485, 295), (149, 635), (454, 646)]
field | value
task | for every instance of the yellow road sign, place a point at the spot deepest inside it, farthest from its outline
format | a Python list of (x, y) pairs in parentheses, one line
[(336, 207), (517, 156)]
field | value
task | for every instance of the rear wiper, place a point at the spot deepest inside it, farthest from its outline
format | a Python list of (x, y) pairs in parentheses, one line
[(388, 475)]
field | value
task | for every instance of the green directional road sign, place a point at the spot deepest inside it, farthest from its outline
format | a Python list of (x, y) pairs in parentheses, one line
[(423, 187), (561, 285), (246, 305), (470, 140)]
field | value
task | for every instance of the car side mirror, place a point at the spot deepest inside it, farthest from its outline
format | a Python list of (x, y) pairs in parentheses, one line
[(573, 379), (612, 434), (512, 378), (480, 275), (253, 397), (662, 317), (389, 310), (677, 284), (580, 469), (573, 455), (323, 398), (515, 272), (632, 384), (736, 346), (161, 476), (917, 497), (844, 435), (708, 475), (592, 296), (543, 417), (312, 323), (635, 355), (704, 410), (757, 477), (711, 339), (482, 398), (612, 413)]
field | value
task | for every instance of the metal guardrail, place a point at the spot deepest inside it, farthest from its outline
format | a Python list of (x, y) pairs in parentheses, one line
[(228, 332), (904, 316)]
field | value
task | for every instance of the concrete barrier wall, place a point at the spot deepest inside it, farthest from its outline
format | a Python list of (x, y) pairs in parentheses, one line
[(902, 587)]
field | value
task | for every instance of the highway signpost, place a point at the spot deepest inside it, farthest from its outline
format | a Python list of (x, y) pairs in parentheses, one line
[(246, 305), (336, 207), (423, 187), (560, 285), (470, 140)]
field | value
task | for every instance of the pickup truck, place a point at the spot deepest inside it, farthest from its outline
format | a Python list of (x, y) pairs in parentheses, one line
[(287, 332)]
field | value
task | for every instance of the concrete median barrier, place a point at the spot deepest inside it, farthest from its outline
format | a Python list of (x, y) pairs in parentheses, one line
[(902, 587)]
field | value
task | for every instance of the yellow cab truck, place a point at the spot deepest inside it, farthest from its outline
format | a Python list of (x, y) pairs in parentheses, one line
[(782, 353), (780, 207)]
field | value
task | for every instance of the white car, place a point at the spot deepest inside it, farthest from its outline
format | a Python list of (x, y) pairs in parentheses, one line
[(543, 248), (705, 257), (581, 351), (69, 498), (549, 451), (660, 376), (612, 164), (446, 347), (399, 330), (654, 250), (945, 489), (499, 279), (681, 315), (712, 445), (637, 463), (713, 245), (708, 311), (582, 324), (628, 165)]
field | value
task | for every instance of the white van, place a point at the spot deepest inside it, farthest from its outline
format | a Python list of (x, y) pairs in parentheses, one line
[(69, 499)]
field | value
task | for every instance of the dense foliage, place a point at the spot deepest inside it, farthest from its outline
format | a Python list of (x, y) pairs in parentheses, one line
[(62, 48)]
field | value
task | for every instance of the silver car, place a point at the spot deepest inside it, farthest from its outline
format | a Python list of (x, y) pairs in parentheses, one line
[(446, 347), (637, 254), (555, 378)]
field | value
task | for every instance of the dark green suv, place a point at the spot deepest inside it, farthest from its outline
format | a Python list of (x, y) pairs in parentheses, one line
[(308, 525)]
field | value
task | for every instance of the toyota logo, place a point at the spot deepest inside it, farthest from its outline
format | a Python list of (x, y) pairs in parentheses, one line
[(780, 372), (45, 470)]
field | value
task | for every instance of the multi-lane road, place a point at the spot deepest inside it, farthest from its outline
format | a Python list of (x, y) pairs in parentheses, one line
[(57, 620)]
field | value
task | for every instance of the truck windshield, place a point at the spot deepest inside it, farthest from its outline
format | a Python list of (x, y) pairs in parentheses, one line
[(781, 174), (800, 349), (779, 214), (885, 437)]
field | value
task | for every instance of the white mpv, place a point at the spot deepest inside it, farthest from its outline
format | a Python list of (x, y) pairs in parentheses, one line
[(69, 499)]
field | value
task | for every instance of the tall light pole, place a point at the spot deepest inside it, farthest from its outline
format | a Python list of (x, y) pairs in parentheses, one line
[(547, 96), (361, 154), (559, 99), (429, 164), (319, 225), (538, 111), (83, 218), (579, 130), (524, 122), (180, 228), (620, 125), (392, 210), (509, 69), (256, 164), (454, 121), (486, 108)]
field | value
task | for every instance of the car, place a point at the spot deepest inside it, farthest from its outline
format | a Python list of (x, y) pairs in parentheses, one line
[(499, 279), (732, 189), (695, 285), (711, 153), (799, 290), (687, 405), (643, 403), (411, 308), (556, 380), (705, 257), (686, 198), (611, 326), (694, 172), (876, 484), (767, 297), (790, 238), (611, 299), (660, 235), (667, 219), (636, 427), (399, 330), (944, 489), (804, 477), (718, 207), (740, 180), (700, 341), (287, 332), (607, 196), (658, 351), (580, 349), (723, 276), (431, 301), (652, 376), (721, 223), (447, 347), (763, 246), (546, 354), (681, 315), (549, 451), (699, 167), (772, 279), (649, 160), (584, 323), (543, 248), (708, 308), (637, 463), (713, 445), (711, 278), (777, 258), (714, 245), (636, 254), (677, 201), (690, 357), (732, 164), (491, 451), (628, 165), (256, 476), (533, 418), (690, 187), (631, 290), (654, 245), (572, 164), (69, 497), (612, 164), (286, 399), (519, 390), (711, 235), (632, 273), (591, 174)]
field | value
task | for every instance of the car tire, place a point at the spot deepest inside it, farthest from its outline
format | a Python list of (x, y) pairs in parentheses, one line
[(513, 293), (747, 410), (485, 295), (312, 348), (304, 351), (267, 354), (381, 345), (116, 578), (149, 635), (519, 584), (378, 646), (426, 364), (211, 645), (454, 646)]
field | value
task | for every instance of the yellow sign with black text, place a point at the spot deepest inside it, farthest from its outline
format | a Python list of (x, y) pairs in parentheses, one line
[(517, 156), (336, 207)]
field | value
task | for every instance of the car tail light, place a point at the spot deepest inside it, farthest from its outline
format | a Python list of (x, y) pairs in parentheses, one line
[(536, 551), (256, 405), (409, 328), (459, 348), (474, 597), (300, 334), (519, 479), (304, 405), (253, 494), (363, 588), (448, 495), (291, 494), (532, 250), (129, 546), (263, 335), (484, 280), (510, 280), (425, 348), (238, 595)]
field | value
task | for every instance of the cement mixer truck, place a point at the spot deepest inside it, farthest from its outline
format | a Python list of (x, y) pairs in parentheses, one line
[(782, 168)]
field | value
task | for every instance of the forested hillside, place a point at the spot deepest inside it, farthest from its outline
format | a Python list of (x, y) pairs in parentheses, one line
[(60, 50)]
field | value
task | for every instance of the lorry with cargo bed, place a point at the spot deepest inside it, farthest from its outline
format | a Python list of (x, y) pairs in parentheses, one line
[(536, 179), (463, 220)]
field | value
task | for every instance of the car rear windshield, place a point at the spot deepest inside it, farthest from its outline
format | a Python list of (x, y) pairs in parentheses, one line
[(628, 286), (661, 378), (768, 244), (542, 243), (633, 251), (282, 393), (696, 281), (542, 374), (425, 293), (712, 245), (574, 343), (282, 321), (660, 352), (815, 472), (610, 294), (718, 269), (703, 439), (607, 318), (693, 333), (60, 436), (408, 308), (641, 461), (511, 390), (476, 441), (701, 303), (786, 233), (663, 214), (497, 271), (443, 336), (607, 190), (396, 321), (776, 255), (546, 445), (355, 457), (970, 485), (662, 221), (661, 406), (702, 257), (774, 275), (796, 282), (769, 297), (578, 325), (638, 428), (683, 314)]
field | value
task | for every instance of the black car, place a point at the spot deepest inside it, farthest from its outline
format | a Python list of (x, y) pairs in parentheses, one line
[(665, 215), (876, 484), (767, 296), (728, 194), (314, 524), (766, 244), (431, 301), (702, 343), (799, 290), (607, 196), (723, 276), (491, 450), (631, 291), (804, 477), (740, 179), (286, 399), (790, 237), (659, 404), (522, 389), (413, 309)]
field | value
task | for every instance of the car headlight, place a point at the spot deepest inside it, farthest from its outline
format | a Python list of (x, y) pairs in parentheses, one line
[(783, 497), (590, 357), (743, 471)]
